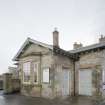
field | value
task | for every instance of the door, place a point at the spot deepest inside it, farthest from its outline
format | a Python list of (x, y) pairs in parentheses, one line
[(65, 82), (85, 82)]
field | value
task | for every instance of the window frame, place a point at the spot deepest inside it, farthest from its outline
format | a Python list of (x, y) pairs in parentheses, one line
[(36, 63), (46, 82), (29, 72)]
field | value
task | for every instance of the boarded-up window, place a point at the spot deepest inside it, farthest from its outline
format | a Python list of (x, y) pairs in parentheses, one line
[(46, 75), (26, 72), (36, 66)]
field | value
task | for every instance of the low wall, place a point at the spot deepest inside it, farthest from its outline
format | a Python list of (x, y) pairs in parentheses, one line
[(10, 85), (15, 85), (1, 84)]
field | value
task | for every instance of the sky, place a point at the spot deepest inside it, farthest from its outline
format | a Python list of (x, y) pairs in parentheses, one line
[(76, 20)]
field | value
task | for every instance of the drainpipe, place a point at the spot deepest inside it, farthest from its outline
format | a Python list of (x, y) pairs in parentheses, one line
[(40, 74), (74, 75)]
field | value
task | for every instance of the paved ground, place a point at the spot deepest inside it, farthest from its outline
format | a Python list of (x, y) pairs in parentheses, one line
[(17, 99)]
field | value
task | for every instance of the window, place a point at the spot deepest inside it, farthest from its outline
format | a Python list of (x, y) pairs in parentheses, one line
[(46, 75), (36, 67), (103, 77), (26, 72)]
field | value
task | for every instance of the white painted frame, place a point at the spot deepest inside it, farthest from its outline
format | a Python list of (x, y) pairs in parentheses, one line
[(80, 84), (23, 72), (48, 78), (69, 80), (36, 63)]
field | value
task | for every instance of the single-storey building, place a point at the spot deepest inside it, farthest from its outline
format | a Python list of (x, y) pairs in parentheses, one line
[(49, 71)]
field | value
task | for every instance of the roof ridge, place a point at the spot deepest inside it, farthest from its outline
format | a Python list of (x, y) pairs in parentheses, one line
[(88, 47), (33, 41)]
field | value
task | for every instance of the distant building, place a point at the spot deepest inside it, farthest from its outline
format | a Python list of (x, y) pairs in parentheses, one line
[(1, 82), (49, 71), (14, 71), (1, 77)]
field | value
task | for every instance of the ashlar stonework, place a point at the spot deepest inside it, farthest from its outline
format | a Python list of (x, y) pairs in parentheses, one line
[(64, 70)]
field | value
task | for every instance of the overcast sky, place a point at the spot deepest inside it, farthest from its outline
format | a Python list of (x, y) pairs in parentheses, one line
[(77, 21)]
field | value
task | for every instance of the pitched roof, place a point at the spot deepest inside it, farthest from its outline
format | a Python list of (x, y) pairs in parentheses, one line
[(90, 47), (82, 49), (28, 40)]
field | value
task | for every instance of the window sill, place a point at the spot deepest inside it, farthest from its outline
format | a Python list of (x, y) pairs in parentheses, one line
[(45, 83)]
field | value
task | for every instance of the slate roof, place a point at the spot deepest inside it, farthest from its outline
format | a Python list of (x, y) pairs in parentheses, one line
[(90, 47), (82, 49), (29, 40)]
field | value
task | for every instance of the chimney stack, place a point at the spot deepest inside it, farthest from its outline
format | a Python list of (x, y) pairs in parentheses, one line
[(56, 38), (102, 39), (76, 45)]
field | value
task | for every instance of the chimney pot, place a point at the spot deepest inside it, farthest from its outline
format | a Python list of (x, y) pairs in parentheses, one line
[(102, 39), (76, 45)]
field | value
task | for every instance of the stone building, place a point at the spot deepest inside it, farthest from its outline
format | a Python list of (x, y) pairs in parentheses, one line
[(49, 71)]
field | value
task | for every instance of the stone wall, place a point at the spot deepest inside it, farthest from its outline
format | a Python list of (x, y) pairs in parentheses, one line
[(60, 63), (93, 61), (55, 63), (15, 85), (10, 85), (1, 84), (44, 57), (31, 90), (40, 89)]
